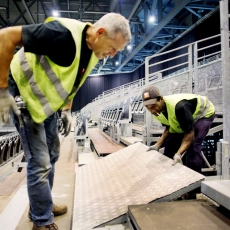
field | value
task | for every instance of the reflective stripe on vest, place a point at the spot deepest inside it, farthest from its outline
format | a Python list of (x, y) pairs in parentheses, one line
[(203, 108), (30, 77), (45, 86)]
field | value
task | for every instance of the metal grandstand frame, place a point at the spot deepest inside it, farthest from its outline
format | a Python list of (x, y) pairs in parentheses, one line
[(184, 79), (198, 71)]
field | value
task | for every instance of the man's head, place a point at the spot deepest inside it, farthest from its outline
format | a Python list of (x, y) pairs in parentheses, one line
[(108, 35), (153, 100)]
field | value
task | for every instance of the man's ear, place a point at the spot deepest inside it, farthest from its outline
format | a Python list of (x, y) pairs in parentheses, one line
[(100, 31), (161, 98)]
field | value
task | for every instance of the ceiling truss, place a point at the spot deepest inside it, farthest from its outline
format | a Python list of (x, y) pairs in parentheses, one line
[(172, 19)]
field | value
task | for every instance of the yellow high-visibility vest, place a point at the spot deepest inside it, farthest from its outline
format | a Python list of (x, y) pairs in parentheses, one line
[(204, 108), (44, 85)]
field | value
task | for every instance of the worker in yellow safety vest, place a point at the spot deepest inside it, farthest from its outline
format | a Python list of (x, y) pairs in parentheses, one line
[(187, 119), (55, 59)]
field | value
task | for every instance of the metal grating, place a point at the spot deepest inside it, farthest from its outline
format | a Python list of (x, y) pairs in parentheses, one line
[(130, 176)]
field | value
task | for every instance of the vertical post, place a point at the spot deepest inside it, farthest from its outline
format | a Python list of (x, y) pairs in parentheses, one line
[(190, 68), (148, 116), (146, 71), (195, 72), (225, 160), (219, 159), (224, 25), (225, 67)]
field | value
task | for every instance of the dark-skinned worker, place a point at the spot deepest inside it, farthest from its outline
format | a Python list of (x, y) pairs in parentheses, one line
[(187, 119)]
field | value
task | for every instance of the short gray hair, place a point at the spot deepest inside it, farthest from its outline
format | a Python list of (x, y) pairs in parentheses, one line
[(114, 23)]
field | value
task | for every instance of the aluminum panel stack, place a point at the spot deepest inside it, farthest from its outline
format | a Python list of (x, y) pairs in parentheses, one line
[(130, 176)]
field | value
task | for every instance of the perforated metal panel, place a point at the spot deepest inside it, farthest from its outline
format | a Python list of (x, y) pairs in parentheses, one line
[(130, 176), (210, 84), (174, 84)]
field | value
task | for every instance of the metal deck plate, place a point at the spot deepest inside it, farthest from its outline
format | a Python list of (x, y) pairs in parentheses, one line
[(86, 158), (103, 144), (218, 190), (130, 140), (130, 176), (192, 215)]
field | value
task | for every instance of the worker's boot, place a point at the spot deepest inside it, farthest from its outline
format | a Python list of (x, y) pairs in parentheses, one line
[(57, 210), (46, 227)]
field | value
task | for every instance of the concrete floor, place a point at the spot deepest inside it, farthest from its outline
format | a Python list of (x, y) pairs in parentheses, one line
[(63, 190)]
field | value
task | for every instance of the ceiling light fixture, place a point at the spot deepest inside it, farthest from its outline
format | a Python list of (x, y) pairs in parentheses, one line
[(129, 47), (152, 19), (55, 13)]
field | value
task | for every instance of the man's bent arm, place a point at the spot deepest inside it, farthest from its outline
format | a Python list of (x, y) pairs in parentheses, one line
[(186, 142), (9, 38)]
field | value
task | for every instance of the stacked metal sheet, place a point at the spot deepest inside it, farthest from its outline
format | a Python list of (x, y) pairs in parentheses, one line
[(130, 176)]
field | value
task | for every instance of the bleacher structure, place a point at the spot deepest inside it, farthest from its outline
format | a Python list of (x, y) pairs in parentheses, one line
[(106, 187), (201, 69), (120, 111), (10, 149)]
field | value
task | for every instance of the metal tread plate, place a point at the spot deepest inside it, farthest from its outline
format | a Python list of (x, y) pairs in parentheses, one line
[(192, 215), (102, 142), (218, 190), (129, 176)]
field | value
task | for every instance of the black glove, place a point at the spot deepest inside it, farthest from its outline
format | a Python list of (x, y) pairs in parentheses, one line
[(67, 122)]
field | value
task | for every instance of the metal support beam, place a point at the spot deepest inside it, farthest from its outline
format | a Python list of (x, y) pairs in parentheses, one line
[(160, 13), (203, 7), (154, 7), (163, 23), (113, 5), (7, 19), (134, 9), (85, 12), (176, 27), (28, 11), (55, 4), (22, 13), (224, 25), (4, 22), (43, 7), (193, 12)]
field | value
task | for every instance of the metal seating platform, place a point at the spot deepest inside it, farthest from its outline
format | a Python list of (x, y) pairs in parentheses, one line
[(193, 215), (102, 143), (218, 190), (130, 176)]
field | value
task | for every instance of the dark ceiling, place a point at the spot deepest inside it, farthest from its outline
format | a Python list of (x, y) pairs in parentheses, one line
[(173, 19)]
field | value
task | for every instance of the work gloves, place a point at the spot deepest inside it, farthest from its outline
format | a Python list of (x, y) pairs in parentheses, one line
[(67, 122), (154, 147), (177, 159), (7, 102)]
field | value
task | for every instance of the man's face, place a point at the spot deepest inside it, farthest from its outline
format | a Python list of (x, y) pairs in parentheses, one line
[(104, 46), (156, 108)]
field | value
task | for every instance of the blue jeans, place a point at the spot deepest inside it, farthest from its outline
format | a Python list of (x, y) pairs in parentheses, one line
[(44, 146)]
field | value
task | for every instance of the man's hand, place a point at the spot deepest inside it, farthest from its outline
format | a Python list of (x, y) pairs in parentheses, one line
[(67, 122), (177, 159), (7, 102), (153, 147)]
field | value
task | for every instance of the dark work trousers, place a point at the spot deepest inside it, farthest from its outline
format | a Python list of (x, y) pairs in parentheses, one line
[(193, 158)]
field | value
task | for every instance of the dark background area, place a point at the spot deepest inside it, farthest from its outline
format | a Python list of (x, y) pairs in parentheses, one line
[(96, 85)]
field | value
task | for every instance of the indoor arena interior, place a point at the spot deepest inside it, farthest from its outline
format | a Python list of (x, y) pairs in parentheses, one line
[(121, 124)]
